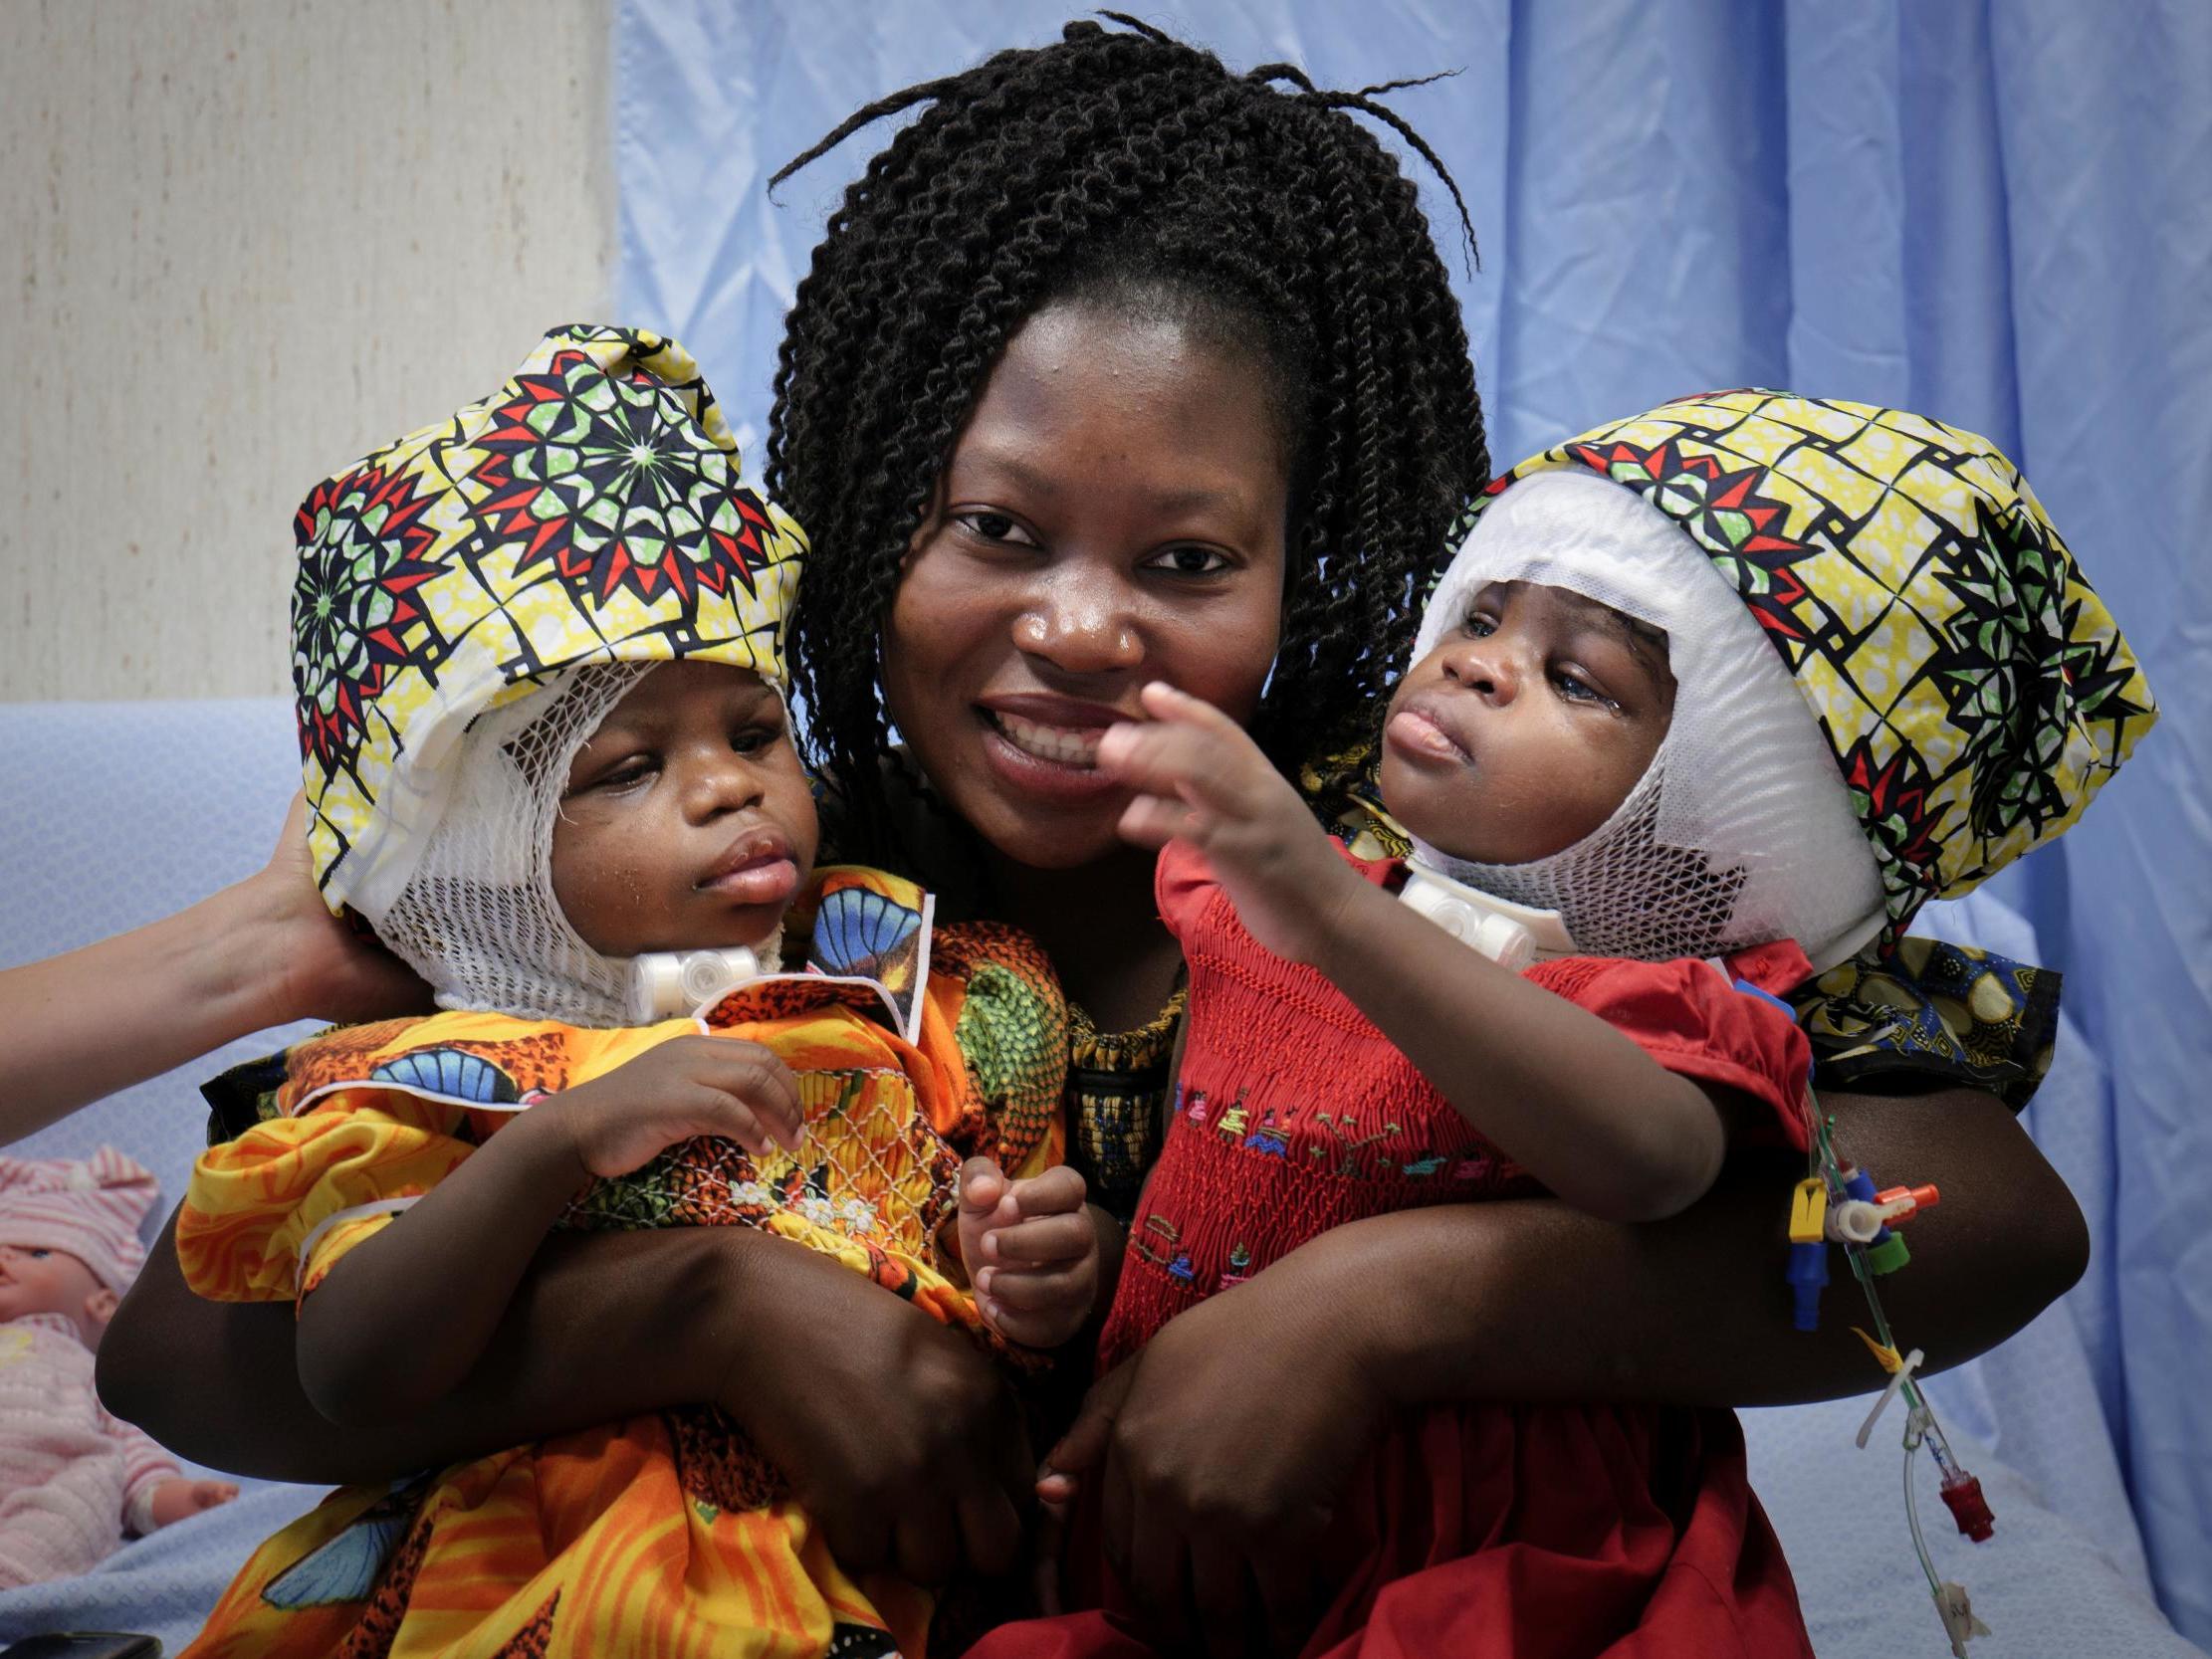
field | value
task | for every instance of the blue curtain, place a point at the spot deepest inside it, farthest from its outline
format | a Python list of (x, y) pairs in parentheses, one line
[(1994, 211)]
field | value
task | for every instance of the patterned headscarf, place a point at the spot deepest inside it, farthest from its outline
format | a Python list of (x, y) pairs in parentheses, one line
[(1972, 688), (590, 511)]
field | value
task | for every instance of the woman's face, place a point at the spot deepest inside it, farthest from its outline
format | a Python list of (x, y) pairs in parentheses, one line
[(1113, 512)]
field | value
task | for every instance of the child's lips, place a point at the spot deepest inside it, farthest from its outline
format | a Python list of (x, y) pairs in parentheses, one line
[(1416, 733), (769, 881), (757, 870)]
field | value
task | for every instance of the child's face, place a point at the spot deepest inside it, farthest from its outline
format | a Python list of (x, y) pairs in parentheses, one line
[(687, 822), (1113, 512), (36, 1279), (1523, 731)]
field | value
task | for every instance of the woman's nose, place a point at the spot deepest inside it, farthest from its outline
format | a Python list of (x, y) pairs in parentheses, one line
[(1081, 627)]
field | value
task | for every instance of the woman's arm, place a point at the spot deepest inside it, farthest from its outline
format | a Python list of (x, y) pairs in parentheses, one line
[(263, 952), (1534, 1301), (895, 1431)]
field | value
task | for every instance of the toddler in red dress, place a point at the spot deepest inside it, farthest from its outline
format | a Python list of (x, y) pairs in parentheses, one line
[(1680, 733)]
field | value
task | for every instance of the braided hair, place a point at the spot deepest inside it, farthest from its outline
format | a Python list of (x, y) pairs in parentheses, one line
[(1123, 166)]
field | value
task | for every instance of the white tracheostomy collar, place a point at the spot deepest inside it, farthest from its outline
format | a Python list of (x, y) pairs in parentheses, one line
[(1511, 935), (1740, 832)]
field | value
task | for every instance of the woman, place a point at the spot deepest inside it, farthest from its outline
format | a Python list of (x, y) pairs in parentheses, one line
[(1117, 367)]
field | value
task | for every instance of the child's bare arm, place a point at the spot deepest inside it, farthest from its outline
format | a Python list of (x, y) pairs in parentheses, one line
[(406, 1314), (1576, 1103)]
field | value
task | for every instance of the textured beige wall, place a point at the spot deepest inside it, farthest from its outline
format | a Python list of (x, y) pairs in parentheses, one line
[(251, 239)]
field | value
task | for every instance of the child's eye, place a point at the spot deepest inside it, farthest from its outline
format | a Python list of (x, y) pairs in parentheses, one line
[(1574, 689), (996, 527), (754, 738), (626, 773), (1189, 561)]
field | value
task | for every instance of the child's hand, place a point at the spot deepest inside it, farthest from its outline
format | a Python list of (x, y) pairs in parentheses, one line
[(689, 1085), (1201, 778), (180, 1499), (1031, 1252)]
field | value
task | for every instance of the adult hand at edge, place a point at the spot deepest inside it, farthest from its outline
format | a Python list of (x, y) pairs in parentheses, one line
[(326, 967), (896, 1433)]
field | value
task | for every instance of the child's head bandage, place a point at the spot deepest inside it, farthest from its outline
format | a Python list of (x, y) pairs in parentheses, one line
[(471, 602), (1740, 831), (1891, 576)]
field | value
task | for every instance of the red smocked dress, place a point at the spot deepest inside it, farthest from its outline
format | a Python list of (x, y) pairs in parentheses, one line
[(1481, 1531)]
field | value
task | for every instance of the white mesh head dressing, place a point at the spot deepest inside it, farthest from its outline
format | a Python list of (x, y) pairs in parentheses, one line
[(477, 917), (1741, 832)]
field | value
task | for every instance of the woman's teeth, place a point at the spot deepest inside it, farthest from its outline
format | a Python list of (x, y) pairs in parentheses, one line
[(1068, 746)]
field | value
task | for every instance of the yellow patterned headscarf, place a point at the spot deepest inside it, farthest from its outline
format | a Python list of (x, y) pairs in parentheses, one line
[(590, 511), (1972, 686)]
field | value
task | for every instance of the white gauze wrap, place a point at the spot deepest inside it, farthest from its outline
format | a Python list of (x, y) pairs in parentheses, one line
[(477, 917), (1741, 832)]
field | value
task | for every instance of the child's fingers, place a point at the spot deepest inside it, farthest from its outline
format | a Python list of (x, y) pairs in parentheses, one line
[(765, 1082), (1047, 1241), (983, 1184), (1155, 820), (1037, 1290), (723, 1115), (1164, 702), (1058, 1191), (746, 1072), (1163, 759)]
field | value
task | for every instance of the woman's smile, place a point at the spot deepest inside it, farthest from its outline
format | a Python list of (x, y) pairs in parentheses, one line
[(1114, 513)]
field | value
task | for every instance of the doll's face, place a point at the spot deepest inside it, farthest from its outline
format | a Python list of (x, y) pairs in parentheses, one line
[(36, 1279), (1526, 726), (687, 822)]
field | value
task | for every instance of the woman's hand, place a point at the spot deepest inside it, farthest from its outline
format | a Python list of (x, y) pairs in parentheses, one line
[(896, 1435), (320, 966), (1222, 1451), (1201, 778)]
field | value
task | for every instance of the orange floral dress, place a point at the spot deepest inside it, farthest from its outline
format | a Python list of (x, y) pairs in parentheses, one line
[(666, 1534)]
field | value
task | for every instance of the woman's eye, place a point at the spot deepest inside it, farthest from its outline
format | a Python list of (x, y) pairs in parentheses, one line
[(1479, 627), (1189, 561), (995, 526)]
